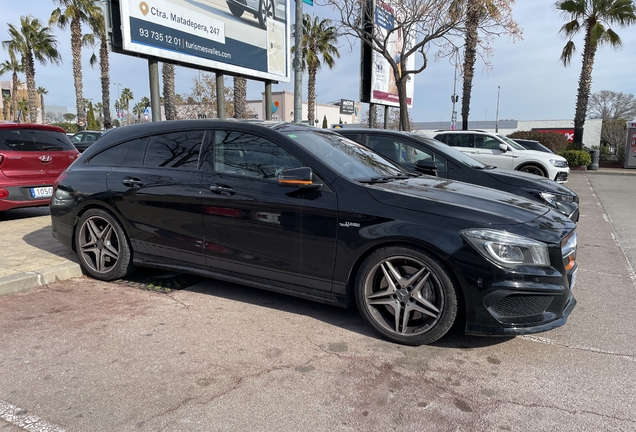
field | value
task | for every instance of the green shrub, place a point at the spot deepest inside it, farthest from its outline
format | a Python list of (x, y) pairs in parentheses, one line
[(577, 158), (67, 126), (555, 141)]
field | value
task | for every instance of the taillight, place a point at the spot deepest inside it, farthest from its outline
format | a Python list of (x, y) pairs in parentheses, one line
[(3, 193), (59, 179)]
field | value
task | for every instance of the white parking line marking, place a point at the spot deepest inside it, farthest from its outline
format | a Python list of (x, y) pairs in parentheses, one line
[(19, 417), (545, 340)]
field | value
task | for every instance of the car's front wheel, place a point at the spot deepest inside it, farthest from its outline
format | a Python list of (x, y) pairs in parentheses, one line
[(102, 246), (265, 9), (406, 295), (533, 169)]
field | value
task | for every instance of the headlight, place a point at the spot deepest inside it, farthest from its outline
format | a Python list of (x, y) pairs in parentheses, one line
[(552, 199), (559, 163), (506, 249)]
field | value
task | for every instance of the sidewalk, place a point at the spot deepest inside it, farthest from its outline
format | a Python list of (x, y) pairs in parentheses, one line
[(32, 257)]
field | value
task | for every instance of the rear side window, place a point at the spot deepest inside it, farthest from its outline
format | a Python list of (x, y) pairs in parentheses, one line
[(130, 153), (34, 140), (174, 150)]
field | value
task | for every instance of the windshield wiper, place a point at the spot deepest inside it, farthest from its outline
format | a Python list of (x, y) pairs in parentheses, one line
[(384, 179)]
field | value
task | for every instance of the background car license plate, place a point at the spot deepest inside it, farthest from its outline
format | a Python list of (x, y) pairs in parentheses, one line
[(42, 192)]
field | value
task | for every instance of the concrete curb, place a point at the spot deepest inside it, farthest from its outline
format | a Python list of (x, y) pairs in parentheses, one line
[(33, 279)]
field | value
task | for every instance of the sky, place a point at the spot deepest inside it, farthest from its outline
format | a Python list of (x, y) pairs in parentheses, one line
[(526, 76)]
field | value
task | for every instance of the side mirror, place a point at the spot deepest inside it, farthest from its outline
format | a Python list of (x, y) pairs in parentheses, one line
[(503, 147), (426, 167), (301, 178)]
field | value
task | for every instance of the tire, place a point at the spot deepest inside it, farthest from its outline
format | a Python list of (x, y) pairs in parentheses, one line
[(265, 7), (533, 169), (102, 246), (419, 288), (236, 10)]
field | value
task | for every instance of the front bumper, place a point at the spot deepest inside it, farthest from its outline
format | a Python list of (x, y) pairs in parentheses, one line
[(561, 177)]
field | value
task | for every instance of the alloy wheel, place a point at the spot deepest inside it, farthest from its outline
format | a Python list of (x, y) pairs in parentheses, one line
[(99, 244)]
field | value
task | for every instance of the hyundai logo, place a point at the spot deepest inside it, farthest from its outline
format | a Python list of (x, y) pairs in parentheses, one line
[(45, 158)]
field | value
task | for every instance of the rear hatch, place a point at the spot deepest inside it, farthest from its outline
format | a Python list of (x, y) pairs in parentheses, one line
[(34, 153)]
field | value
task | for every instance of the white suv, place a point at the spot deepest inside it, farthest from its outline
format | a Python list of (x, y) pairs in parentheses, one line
[(502, 152)]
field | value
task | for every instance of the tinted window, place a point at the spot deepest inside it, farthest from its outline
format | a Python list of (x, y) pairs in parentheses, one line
[(449, 151), (459, 140), (404, 152), (250, 155), (486, 142), (174, 150), (34, 140), (130, 153)]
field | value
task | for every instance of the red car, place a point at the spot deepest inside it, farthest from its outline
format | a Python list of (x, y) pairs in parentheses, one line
[(32, 156)]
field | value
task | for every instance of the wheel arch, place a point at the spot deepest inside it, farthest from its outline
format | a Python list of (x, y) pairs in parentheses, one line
[(546, 171), (102, 206), (401, 242)]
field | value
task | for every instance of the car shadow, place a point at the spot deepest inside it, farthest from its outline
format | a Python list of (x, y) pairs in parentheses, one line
[(24, 213), (348, 319)]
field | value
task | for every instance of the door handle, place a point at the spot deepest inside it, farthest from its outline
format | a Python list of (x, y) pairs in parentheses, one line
[(132, 182), (222, 189)]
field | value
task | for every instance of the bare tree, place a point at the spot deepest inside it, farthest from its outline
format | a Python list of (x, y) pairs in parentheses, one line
[(201, 101), (419, 22), (610, 105), (240, 97)]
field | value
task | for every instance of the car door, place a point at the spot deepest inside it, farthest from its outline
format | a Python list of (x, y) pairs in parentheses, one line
[(156, 188), (258, 229), (487, 151)]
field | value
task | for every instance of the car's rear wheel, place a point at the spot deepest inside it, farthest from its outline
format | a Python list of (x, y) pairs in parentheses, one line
[(236, 10), (406, 295), (533, 169), (102, 246), (265, 8)]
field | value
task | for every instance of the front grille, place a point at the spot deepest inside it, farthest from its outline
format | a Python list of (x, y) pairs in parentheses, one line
[(574, 216), (561, 176), (517, 306)]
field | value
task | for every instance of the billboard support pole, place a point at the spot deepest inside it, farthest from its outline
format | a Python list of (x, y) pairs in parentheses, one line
[(220, 96), (268, 100), (155, 98), (298, 72), (386, 116)]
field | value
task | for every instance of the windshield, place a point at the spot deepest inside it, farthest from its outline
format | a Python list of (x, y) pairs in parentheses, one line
[(450, 151), (344, 156), (515, 145)]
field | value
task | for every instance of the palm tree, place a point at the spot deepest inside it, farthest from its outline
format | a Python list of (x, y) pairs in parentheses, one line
[(13, 66), (23, 110), (318, 46), (74, 13), (594, 17), (169, 108), (240, 97), (145, 101), (138, 110), (33, 42), (98, 27), (6, 104), (42, 91), (125, 98)]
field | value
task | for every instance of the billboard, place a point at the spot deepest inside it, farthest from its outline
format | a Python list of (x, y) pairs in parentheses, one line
[(568, 132), (248, 38), (347, 106), (381, 85)]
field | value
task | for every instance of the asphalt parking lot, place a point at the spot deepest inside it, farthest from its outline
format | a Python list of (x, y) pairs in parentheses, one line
[(83, 355)]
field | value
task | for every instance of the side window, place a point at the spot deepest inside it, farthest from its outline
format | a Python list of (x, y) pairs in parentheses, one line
[(250, 155), (491, 143), (385, 146), (174, 150), (130, 153), (441, 138), (409, 154), (461, 140)]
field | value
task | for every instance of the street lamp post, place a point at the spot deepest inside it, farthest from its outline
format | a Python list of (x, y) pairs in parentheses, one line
[(454, 97), (497, 113)]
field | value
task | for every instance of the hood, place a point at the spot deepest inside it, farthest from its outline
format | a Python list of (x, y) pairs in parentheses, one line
[(458, 200), (529, 181), (541, 155)]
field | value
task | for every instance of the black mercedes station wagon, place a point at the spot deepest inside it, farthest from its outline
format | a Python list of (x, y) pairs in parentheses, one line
[(307, 212)]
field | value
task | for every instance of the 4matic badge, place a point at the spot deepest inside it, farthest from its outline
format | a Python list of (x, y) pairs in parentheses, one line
[(349, 224)]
